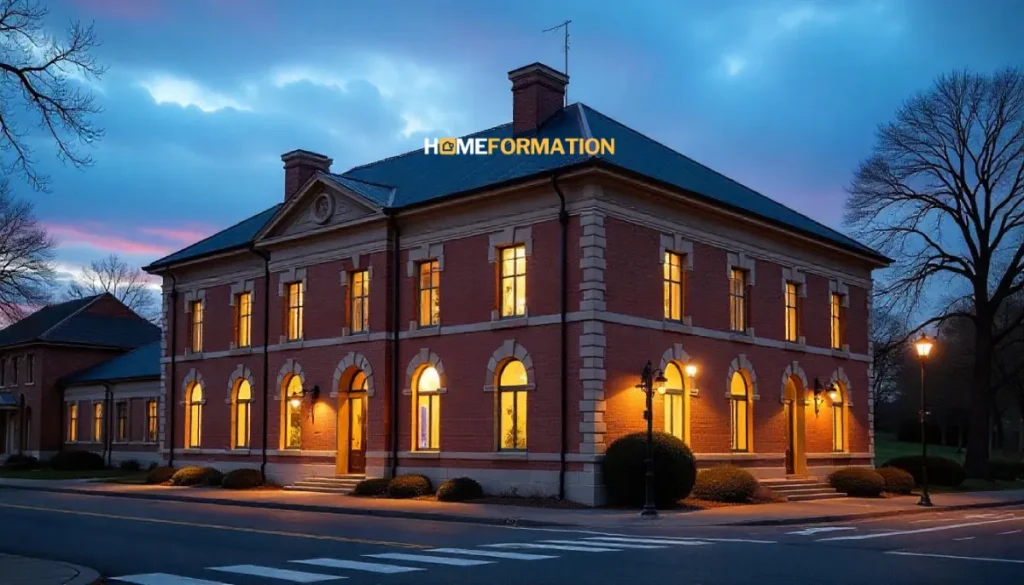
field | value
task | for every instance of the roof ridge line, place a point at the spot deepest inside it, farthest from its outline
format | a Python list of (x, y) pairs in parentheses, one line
[(364, 181), (79, 310), (584, 124)]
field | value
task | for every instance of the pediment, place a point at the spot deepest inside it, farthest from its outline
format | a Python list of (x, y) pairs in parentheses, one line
[(319, 206)]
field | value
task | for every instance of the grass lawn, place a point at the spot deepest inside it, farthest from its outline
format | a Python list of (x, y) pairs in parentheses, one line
[(47, 473), (976, 485), (887, 447)]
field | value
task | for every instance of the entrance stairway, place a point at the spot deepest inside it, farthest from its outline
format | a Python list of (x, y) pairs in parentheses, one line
[(340, 484), (801, 489)]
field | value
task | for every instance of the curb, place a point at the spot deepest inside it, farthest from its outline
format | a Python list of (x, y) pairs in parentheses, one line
[(867, 515), (459, 518), (86, 576)]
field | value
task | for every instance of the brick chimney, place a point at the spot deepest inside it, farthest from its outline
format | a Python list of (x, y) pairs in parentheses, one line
[(299, 166), (538, 92)]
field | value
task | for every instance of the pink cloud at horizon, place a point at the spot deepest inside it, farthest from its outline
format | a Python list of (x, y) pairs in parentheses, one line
[(186, 236), (75, 236)]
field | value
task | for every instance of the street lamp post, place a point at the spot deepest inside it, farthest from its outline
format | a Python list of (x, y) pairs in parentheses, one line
[(924, 348), (648, 378)]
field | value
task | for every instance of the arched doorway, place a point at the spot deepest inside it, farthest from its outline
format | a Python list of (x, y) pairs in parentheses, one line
[(794, 407), (351, 426)]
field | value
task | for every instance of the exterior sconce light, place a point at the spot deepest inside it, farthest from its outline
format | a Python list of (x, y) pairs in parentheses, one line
[(691, 373), (833, 394), (296, 398)]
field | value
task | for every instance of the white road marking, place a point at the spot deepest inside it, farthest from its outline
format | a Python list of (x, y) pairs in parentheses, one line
[(434, 560), (615, 544), (701, 538), (959, 558), (492, 553), (1009, 532), (988, 515), (358, 566), (614, 541), (553, 547), (810, 531), (272, 573), (918, 531), (965, 538), (929, 520), (600, 533), (164, 579)]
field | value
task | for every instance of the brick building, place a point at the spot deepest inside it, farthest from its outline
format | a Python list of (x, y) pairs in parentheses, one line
[(489, 316), (38, 355)]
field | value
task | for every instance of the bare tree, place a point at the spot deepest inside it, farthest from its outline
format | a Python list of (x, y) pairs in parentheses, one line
[(115, 276), (943, 193), (889, 344), (37, 74), (26, 258)]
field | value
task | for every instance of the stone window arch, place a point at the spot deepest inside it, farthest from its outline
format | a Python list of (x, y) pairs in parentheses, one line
[(741, 392), (793, 370), (510, 349), (241, 396), (677, 391), (354, 360), (426, 382)]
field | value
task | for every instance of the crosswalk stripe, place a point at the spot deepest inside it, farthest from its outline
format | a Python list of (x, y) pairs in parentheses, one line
[(615, 544), (553, 547), (272, 573), (492, 553), (430, 559), (163, 579), (358, 566), (614, 541)]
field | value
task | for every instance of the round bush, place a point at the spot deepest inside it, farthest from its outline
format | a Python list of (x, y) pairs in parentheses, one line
[(18, 462), (941, 470), (859, 482), (129, 465), (159, 475), (1003, 469), (409, 486), (896, 480), (459, 489), (725, 483), (242, 479), (194, 475), (77, 461), (624, 468), (375, 486)]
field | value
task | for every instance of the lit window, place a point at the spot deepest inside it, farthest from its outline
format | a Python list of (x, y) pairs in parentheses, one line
[(293, 414), (428, 414), (675, 402), (838, 422), (194, 410), (121, 409), (197, 326), (838, 320), (673, 285), (243, 320), (243, 413), (739, 406), (513, 281), (151, 421), (792, 311), (72, 422), (738, 300), (293, 302), (359, 294), (30, 369), (429, 293), (512, 405), (357, 412), (97, 422)]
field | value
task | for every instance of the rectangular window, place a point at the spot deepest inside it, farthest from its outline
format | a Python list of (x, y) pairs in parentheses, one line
[(97, 422), (739, 424), (738, 300), (429, 293), (72, 422), (428, 418), (243, 319), (792, 311), (30, 369), (151, 421), (513, 281), (122, 421), (197, 326), (838, 432), (673, 286), (836, 309), (674, 415), (359, 295), (513, 419), (14, 371), (293, 439), (293, 305)]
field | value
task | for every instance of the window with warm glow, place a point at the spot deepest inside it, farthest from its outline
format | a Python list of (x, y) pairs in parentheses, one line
[(513, 281), (673, 286), (738, 300), (243, 319), (195, 417), (837, 314), (357, 410), (197, 326), (30, 369), (427, 417), (512, 406), (293, 311), (359, 295), (838, 424), (121, 409), (152, 423), (792, 311), (674, 401), (293, 413), (97, 422), (243, 413), (739, 408), (72, 422), (429, 293)]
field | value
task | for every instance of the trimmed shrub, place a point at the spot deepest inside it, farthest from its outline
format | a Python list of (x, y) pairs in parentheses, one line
[(896, 480), (941, 470), (242, 479), (859, 482), (459, 489), (624, 468), (77, 461), (18, 462), (375, 486), (194, 475), (152, 465), (159, 475), (130, 465), (725, 483), (409, 486), (1002, 469)]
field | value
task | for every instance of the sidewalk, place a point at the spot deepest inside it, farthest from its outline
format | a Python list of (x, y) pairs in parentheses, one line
[(767, 514), (25, 571)]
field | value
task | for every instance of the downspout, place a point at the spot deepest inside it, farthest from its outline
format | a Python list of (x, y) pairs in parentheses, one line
[(22, 435), (108, 435), (266, 358), (396, 287), (563, 259), (170, 406)]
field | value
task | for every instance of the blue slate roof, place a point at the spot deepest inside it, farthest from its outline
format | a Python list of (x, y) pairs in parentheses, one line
[(68, 323), (140, 363), (416, 178)]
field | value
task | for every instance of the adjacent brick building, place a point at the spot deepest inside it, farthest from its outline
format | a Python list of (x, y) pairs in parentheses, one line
[(490, 316)]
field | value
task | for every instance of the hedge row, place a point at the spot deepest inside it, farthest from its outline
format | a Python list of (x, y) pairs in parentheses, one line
[(458, 489), (941, 470), (237, 479)]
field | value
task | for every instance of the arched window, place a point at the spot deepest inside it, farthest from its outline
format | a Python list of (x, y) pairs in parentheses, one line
[(675, 396), (195, 417), (358, 382), (357, 413), (838, 419), (427, 417), (293, 413), (512, 406), (739, 408), (243, 413)]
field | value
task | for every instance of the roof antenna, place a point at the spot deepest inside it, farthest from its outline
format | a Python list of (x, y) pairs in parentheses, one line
[(564, 25)]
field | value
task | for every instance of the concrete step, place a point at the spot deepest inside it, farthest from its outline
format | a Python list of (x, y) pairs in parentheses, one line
[(810, 497), (329, 480), (799, 488), (321, 490), (342, 484), (773, 483)]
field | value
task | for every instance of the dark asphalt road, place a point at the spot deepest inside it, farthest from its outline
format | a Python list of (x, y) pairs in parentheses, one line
[(169, 543)]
